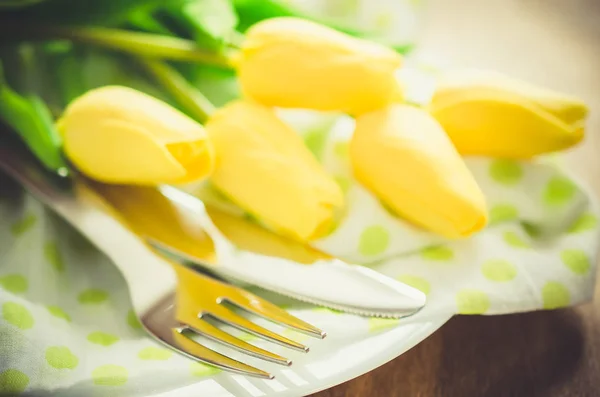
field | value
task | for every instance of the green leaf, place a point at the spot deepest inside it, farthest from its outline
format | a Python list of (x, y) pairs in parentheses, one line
[(210, 22), (30, 118), (147, 22), (219, 85), (253, 11)]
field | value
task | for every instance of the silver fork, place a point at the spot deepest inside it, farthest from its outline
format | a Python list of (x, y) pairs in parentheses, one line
[(172, 302)]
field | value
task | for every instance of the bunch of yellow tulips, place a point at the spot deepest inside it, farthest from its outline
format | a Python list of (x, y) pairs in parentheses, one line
[(408, 156)]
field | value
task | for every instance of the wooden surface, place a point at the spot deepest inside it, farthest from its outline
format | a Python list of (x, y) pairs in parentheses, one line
[(554, 353)]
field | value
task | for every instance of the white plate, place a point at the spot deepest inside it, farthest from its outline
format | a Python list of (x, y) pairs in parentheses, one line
[(327, 365)]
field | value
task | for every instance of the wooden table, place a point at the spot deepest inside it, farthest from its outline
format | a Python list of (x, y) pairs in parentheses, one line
[(553, 353)]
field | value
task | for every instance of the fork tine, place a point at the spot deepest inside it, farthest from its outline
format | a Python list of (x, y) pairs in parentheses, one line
[(269, 311), (213, 308), (211, 332), (228, 317), (246, 301), (192, 349)]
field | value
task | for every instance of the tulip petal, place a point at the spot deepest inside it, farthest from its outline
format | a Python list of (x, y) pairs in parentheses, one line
[(264, 167), (120, 135), (293, 63), (502, 125), (196, 157), (487, 113), (404, 157), (114, 151), (567, 108)]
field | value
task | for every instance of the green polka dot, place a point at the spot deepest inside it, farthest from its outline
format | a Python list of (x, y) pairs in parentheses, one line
[(503, 213), (437, 253), (506, 172), (559, 191), (376, 323), (373, 240), (344, 183), (200, 370), (53, 256), (154, 353), (13, 382), (61, 357), (584, 223), (472, 301), (22, 226), (59, 313), (133, 321), (17, 315), (110, 375), (555, 295), (102, 338), (342, 149), (514, 240), (576, 260), (416, 282), (14, 283), (92, 296), (499, 270)]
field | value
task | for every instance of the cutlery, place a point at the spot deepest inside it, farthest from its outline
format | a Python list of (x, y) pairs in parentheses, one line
[(180, 225), (173, 302)]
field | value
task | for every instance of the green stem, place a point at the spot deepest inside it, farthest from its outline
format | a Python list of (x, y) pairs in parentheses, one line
[(189, 98), (30, 118), (137, 43)]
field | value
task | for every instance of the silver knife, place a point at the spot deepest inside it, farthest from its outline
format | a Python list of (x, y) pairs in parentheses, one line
[(180, 225), (176, 224)]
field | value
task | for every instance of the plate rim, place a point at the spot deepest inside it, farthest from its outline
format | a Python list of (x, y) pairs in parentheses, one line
[(435, 323), (374, 363)]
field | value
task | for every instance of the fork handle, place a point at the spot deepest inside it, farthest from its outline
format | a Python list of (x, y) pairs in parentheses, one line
[(148, 276)]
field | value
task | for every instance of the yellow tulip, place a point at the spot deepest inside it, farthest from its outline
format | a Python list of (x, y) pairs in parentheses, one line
[(293, 63), (489, 114), (265, 168), (405, 158), (119, 135)]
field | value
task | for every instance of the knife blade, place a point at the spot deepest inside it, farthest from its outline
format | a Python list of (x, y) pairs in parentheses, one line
[(180, 225)]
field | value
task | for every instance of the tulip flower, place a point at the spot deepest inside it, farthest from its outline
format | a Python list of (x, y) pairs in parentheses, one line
[(264, 167), (293, 63), (403, 156), (119, 135), (490, 114)]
